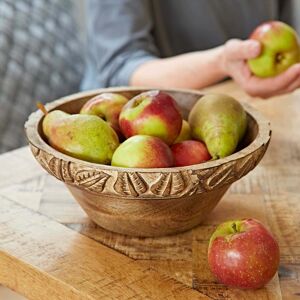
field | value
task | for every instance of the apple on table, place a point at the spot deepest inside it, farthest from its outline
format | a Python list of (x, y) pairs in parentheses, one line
[(243, 254)]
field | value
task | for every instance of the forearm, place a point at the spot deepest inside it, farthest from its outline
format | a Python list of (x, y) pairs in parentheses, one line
[(191, 70)]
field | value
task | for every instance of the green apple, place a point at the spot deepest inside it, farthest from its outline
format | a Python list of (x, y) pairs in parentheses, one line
[(280, 49)]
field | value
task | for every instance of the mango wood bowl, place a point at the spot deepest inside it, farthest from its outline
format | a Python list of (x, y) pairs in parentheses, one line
[(148, 202)]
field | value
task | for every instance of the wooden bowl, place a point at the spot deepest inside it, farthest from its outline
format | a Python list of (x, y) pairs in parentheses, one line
[(147, 202)]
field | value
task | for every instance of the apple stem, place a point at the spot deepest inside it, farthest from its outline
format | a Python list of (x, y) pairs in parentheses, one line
[(234, 227), (42, 107)]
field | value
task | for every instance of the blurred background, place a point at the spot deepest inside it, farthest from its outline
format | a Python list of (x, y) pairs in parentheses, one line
[(41, 59), (42, 50)]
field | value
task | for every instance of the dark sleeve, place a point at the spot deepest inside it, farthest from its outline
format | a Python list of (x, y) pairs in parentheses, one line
[(119, 39)]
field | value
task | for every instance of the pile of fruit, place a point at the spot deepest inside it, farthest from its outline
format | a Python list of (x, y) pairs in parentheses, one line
[(151, 127)]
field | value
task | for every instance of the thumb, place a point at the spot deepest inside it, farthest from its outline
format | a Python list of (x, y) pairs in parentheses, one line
[(241, 50)]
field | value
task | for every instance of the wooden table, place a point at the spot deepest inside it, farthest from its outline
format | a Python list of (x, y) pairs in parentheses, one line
[(49, 249)]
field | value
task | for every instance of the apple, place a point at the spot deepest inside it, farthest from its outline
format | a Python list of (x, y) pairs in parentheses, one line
[(152, 113), (185, 132), (189, 153), (142, 151), (243, 254), (106, 106), (280, 49)]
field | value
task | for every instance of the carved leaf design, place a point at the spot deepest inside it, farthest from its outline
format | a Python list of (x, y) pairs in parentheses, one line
[(133, 184), (249, 162), (130, 184), (35, 151), (221, 176), (170, 184), (67, 172), (43, 157), (91, 179), (245, 165), (202, 176), (121, 185), (162, 186), (138, 183), (55, 166)]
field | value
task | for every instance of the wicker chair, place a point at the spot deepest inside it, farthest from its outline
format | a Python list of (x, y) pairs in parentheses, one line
[(40, 60)]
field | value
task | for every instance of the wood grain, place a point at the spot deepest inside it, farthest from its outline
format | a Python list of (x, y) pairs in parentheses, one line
[(181, 257), (148, 202), (271, 193), (45, 260)]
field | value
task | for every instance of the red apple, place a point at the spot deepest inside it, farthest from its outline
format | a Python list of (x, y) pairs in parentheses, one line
[(152, 113), (142, 151), (189, 153), (243, 254), (280, 49), (108, 107)]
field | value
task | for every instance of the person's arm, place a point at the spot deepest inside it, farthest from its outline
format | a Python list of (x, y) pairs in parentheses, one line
[(118, 41), (190, 70), (200, 69), (122, 51)]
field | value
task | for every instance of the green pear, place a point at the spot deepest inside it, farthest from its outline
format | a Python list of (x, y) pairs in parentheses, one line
[(185, 133), (85, 137), (220, 121)]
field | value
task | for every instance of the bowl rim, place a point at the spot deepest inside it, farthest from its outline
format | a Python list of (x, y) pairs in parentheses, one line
[(34, 138)]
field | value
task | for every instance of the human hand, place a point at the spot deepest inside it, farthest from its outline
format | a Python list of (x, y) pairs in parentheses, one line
[(234, 64)]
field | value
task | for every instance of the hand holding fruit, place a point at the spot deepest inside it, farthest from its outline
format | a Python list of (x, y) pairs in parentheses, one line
[(234, 62)]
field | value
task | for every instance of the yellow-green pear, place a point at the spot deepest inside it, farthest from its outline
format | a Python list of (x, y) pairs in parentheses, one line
[(86, 137), (220, 121), (185, 133)]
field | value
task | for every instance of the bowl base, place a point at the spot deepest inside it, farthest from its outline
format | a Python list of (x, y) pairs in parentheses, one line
[(147, 217)]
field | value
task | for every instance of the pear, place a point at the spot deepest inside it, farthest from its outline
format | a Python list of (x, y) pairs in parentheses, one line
[(86, 137), (185, 133), (108, 107), (220, 122)]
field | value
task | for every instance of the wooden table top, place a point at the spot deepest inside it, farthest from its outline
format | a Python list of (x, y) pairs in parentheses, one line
[(49, 249)]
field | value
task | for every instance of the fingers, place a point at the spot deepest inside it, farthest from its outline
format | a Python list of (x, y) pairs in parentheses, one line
[(294, 85), (284, 79), (283, 83), (242, 50)]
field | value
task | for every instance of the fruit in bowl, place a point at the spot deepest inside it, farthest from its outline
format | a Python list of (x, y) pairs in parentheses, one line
[(220, 121), (280, 49), (147, 201), (143, 151), (153, 113), (185, 132), (189, 152), (243, 254), (85, 137), (106, 106)]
